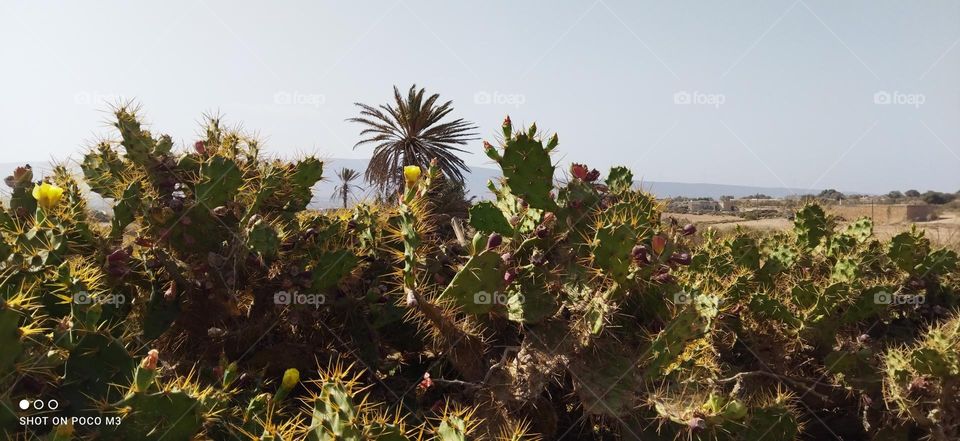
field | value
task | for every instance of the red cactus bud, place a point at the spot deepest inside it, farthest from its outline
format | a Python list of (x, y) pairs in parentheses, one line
[(659, 244), (592, 176), (579, 171), (426, 383), (689, 229), (150, 361), (200, 147), (171, 293), (509, 276), (522, 203)]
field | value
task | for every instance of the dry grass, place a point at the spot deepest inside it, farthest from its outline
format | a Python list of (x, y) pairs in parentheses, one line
[(943, 232)]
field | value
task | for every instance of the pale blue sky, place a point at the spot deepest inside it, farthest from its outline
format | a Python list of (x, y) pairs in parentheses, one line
[(783, 91)]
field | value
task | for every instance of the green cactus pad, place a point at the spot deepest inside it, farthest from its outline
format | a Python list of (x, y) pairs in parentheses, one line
[(619, 179), (330, 267), (161, 416), (528, 171), (335, 417), (477, 284), (612, 246), (486, 217), (125, 208), (220, 179), (810, 226)]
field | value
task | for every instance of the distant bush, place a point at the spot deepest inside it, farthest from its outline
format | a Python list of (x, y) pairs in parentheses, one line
[(938, 198)]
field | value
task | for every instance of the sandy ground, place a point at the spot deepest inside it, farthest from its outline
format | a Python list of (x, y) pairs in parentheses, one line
[(944, 231)]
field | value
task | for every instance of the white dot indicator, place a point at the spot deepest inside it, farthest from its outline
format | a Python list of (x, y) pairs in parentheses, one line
[(24, 404)]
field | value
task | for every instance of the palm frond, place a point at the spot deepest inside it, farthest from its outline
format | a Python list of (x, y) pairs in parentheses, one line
[(411, 132)]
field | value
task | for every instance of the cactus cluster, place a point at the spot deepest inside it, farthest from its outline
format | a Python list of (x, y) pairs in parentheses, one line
[(565, 307)]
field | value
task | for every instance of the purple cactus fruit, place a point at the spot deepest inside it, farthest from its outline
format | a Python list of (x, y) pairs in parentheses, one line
[(681, 258), (514, 220), (549, 218), (663, 278), (118, 256), (509, 276), (117, 270), (689, 230), (541, 232), (494, 241), (523, 203), (640, 254)]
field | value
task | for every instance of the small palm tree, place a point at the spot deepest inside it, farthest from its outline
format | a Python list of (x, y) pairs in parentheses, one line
[(411, 133), (346, 187)]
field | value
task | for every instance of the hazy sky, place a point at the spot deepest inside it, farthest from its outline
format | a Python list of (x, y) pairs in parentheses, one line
[(856, 95)]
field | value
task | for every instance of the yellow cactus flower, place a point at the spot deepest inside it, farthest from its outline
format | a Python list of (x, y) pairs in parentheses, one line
[(411, 173), (47, 195), (290, 379)]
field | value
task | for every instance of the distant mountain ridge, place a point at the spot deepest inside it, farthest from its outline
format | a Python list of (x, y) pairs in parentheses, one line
[(476, 183)]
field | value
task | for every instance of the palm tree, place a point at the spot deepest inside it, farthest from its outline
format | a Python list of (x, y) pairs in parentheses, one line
[(342, 191), (411, 133)]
